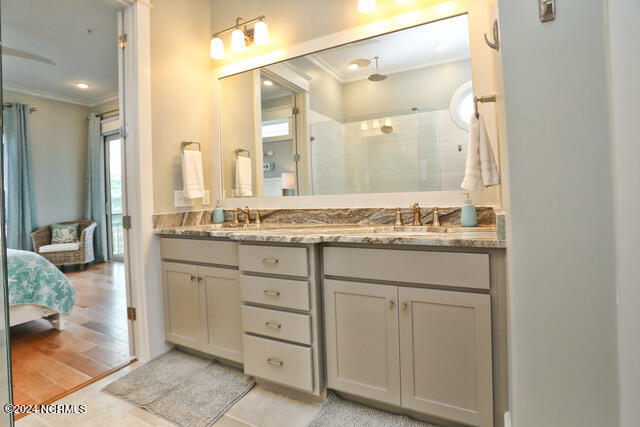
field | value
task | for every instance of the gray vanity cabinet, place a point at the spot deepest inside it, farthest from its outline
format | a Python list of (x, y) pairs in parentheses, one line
[(362, 339), (182, 308), (445, 352), (202, 302), (220, 303)]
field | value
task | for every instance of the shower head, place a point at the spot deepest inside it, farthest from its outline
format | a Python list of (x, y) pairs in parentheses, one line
[(377, 77)]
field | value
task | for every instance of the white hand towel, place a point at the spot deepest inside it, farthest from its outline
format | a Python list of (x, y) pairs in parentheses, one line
[(481, 170), (243, 177), (192, 174)]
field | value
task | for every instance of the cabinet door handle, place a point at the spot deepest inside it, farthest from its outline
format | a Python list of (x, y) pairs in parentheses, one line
[(273, 325), (404, 305), (390, 304), (275, 362), (270, 260), (200, 279), (193, 278), (271, 293)]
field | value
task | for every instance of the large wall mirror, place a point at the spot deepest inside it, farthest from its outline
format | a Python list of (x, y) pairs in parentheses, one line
[(381, 115)]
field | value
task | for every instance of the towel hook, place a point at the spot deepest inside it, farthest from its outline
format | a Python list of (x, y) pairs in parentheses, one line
[(485, 98), (496, 37)]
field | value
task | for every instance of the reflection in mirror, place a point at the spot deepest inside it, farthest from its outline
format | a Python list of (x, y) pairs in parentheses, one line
[(386, 114)]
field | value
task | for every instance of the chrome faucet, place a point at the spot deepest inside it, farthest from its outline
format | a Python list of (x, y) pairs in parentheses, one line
[(416, 214), (436, 217)]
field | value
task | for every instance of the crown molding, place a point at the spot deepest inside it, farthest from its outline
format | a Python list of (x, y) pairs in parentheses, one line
[(61, 98)]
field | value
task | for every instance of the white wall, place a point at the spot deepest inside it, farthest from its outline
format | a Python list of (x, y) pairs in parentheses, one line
[(624, 16), (59, 155), (180, 91), (563, 347)]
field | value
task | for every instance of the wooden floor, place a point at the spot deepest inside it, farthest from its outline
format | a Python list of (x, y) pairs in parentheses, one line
[(47, 363)]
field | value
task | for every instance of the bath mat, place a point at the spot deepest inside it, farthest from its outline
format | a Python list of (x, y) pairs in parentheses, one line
[(183, 388), (336, 412)]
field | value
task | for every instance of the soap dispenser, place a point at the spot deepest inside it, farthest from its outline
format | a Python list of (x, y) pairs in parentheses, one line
[(218, 214), (468, 216)]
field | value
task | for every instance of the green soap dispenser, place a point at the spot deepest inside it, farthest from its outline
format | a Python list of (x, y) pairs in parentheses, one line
[(468, 216), (218, 214)]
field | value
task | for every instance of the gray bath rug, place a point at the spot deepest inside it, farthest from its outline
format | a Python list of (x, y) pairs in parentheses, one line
[(336, 412), (185, 389)]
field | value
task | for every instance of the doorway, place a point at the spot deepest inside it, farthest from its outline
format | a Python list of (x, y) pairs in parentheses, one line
[(113, 200)]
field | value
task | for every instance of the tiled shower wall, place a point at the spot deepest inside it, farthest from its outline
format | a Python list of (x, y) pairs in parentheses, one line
[(421, 154)]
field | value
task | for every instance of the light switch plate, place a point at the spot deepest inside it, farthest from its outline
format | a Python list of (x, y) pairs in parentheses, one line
[(179, 201), (206, 200)]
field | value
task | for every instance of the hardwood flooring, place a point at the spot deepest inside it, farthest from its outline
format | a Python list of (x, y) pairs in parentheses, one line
[(47, 363)]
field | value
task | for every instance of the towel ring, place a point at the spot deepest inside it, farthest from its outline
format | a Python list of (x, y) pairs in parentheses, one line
[(486, 98), (239, 151), (187, 143)]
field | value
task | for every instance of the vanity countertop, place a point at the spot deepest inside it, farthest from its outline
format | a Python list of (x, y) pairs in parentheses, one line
[(470, 237)]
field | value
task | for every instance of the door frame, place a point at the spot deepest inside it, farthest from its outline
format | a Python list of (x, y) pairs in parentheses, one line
[(142, 261)]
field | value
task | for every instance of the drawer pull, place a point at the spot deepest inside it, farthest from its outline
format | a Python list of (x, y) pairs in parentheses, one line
[(275, 362), (273, 325), (390, 304), (193, 278), (270, 260), (271, 293)]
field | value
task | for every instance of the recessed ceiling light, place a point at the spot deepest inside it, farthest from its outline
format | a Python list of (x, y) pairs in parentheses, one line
[(82, 85), (268, 83), (353, 66), (358, 63), (440, 46)]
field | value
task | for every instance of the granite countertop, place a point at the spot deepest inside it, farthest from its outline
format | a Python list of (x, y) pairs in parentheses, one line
[(470, 237)]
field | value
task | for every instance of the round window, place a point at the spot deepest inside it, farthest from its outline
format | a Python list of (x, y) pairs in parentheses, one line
[(461, 105)]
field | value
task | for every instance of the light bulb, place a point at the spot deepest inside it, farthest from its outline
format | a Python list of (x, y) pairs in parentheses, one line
[(237, 41), (261, 33), (217, 48), (83, 85), (366, 6)]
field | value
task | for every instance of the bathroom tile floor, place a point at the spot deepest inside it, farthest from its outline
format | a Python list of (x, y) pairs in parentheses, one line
[(258, 408)]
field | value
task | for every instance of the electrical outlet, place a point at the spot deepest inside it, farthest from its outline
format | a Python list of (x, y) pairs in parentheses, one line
[(179, 201)]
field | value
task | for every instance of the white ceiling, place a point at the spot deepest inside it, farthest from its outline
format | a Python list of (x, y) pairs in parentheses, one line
[(401, 51), (58, 30)]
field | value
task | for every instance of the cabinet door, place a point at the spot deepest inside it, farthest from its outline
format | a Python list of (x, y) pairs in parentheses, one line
[(361, 322), (445, 348), (220, 298), (182, 308)]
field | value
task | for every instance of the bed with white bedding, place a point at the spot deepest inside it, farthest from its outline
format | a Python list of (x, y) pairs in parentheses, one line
[(37, 289)]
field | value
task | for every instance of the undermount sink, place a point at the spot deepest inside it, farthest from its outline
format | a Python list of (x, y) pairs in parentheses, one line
[(411, 229)]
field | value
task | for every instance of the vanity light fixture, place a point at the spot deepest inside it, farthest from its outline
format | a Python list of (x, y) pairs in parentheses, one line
[(240, 37), (268, 83), (82, 85), (366, 6)]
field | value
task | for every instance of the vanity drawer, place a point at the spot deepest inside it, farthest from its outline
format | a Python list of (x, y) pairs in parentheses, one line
[(277, 324), (279, 362), (204, 251), (435, 268), (274, 260), (284, 293)]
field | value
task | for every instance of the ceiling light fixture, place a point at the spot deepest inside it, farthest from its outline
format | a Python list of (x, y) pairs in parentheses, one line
[(377, 77), (366, 6), (268, 83), (358, 63), (82, 85), (240, 37)]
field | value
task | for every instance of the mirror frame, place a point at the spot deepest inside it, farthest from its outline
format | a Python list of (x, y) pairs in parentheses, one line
[(479, 18)]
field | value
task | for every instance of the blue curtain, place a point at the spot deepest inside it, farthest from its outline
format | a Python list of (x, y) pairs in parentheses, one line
[(21, 208), (94, 207)]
